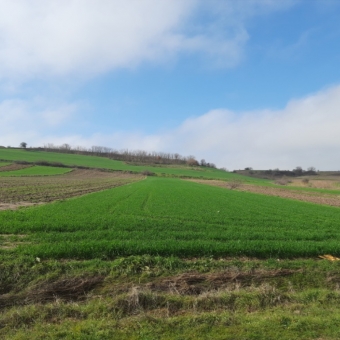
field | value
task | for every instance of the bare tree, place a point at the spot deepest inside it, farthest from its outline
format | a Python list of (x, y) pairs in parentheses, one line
[(235, 183)]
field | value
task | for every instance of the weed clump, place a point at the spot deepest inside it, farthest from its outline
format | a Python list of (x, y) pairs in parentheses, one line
[(305, 181), (282, 181), (234, 184), (148, 173)]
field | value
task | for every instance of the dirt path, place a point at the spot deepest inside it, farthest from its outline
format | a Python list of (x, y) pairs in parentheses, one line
[(313, 197)]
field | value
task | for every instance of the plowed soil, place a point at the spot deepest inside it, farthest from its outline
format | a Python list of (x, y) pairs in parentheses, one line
[(13, 167), (314, 197), (25, 191)]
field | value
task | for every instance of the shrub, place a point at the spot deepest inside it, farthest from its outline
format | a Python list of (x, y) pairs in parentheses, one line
[(282, 181), (305, 181), (148, 173), (236, 183)]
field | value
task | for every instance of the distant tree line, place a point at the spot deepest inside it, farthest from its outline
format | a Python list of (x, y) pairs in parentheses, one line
[(298, 171), (131, 156), (273, 173)]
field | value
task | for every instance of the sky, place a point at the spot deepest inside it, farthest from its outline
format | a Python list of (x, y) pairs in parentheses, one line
[(240, 83)]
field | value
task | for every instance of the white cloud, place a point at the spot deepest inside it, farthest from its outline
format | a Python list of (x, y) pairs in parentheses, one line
[(85, 37), (304, 133), (31, 121)]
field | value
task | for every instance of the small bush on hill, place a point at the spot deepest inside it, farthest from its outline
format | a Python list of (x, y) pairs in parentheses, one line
[(234, 184), (305, 181), (148, 173), (282, 181)]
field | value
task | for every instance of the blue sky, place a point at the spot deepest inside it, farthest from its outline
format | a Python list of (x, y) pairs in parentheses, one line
[(237, 82)]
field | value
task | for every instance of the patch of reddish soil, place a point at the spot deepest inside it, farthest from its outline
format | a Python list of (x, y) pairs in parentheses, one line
[(313, 197)]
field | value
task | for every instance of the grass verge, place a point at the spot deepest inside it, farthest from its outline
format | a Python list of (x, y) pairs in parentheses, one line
[(154, 297)]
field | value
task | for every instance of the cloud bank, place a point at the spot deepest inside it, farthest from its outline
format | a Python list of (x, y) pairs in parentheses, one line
[(304, 133), (88, 37)]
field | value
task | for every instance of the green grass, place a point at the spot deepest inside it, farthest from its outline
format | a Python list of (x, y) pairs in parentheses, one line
[(158, 229), (163, 216), (105, 163), (4, 163), (36, 171), (277, 323), (302, 305)]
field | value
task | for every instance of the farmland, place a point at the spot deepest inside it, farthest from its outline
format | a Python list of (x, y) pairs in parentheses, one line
[(105, 163), (34, 189), (117, 254), (306, 194), (148, 218), (35, 171)]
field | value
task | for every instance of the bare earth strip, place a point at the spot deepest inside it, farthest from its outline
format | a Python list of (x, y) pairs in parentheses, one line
[(331, 182), (25, 191), (318, 198), (14, 166)]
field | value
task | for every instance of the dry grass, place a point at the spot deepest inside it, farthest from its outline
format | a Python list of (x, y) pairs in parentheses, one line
[(197, 283), (314, 197), (70, 289), (330, 184), (282, 181)]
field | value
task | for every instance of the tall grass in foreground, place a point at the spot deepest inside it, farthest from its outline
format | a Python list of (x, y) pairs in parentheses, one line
[(152, 297), (173, 217)]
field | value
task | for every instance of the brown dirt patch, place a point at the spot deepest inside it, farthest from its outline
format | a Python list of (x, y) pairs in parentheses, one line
[(70, 289), (313, 197), (25, 191), (129, 298), (14, 166), (196, 283), (317, 183)]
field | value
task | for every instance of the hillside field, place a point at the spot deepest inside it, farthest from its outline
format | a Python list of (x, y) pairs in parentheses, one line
[(109, 252), (172, 217), (105, 163)]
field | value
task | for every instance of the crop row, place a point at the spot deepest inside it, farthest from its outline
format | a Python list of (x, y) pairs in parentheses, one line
[(50, 188), (174, 217)]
